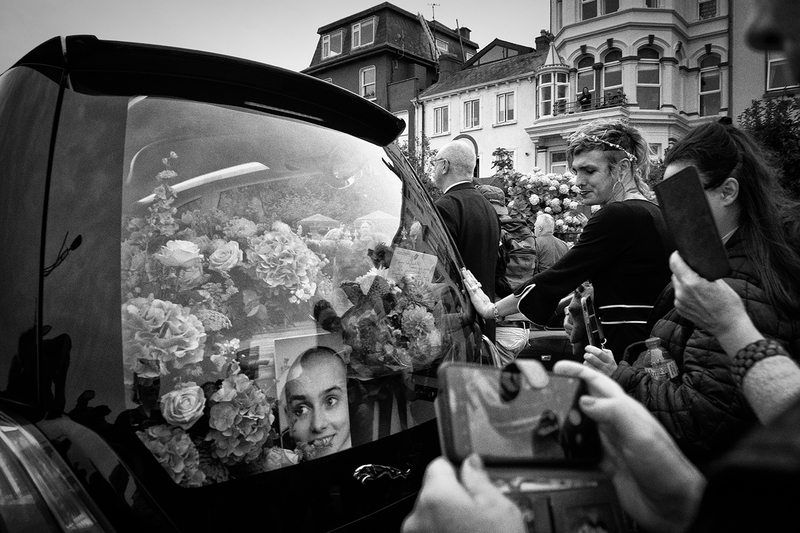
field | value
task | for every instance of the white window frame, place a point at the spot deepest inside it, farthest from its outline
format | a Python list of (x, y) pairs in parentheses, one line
[(612, 66), (651, 3), (776, 61), (648, 63), (559, 14), (605, 10), (441, 120), (584, 3), (560, 92), (403, 137), (545, 103), (363, 84), (712, 70), (700, 4), (472, 114), (327, 51), (583, 71), (443, 46), (357, 41), (600, 8), (556, 165), (654, 150), (506, 114)]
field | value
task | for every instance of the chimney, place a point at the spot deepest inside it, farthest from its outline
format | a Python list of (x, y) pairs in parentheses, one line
[(464, 32), (543, 41), (448, 64)]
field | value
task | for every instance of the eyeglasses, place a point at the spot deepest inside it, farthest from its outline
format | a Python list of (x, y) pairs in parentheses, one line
[(436, 160)]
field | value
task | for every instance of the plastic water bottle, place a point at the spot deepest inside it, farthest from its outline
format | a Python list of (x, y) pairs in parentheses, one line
[(658, 362)]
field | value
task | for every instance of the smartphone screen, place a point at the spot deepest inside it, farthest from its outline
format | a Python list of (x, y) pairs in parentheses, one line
[(504, 418), (594, 330), (691, 224)]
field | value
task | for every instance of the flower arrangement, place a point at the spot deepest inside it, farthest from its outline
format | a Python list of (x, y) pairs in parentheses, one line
[(196, 284), (537, 192), (193, 285), (391, 326), (201, 435)]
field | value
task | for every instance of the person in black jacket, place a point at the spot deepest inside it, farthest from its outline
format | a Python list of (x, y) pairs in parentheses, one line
[(468, 216), (749, 489), (623, 249), (704, 409)]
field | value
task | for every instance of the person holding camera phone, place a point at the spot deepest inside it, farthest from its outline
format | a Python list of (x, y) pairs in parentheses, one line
[(705, 409), (622, 250), (657, 486)]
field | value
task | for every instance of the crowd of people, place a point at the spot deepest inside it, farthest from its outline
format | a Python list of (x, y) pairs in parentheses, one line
[(717, 448)]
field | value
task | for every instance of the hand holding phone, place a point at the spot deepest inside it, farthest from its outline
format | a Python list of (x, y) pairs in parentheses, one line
[(594, 329), (538, 447)]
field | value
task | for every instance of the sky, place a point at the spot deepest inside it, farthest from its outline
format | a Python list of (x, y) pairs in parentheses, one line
[(277, 32)]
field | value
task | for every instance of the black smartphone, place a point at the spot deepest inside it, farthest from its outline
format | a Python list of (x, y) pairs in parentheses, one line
[(594, 329), (691, 224), (499, 414), (538, 447)]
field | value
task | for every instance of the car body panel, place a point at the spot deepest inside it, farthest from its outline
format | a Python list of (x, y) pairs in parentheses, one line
[(88, 128)]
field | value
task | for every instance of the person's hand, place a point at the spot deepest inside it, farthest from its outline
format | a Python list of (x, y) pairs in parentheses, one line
[(600, 359), (472, 505), (712, 305), (568, 325), (483, 305), (656, 484)]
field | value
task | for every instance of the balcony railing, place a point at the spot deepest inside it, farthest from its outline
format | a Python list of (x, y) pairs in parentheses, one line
[(562, 107)]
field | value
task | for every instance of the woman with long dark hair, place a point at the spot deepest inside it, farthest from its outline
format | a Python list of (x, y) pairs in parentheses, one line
[(704, 409)]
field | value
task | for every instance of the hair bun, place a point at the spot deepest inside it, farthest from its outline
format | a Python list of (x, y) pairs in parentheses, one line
[(725, 121)]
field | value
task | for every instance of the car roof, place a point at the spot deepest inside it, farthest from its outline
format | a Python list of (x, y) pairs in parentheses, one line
[(130, 69)]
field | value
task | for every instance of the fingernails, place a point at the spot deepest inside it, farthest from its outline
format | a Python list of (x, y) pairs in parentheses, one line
[(474, 461)]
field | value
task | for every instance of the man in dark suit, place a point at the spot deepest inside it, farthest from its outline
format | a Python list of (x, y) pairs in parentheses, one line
[(469, 217)]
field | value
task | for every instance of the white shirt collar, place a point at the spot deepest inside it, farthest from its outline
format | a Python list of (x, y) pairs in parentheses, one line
[(456, 183)]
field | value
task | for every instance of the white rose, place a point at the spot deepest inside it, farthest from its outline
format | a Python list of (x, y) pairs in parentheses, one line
[(183, 407), (225, 257), (182, 254)]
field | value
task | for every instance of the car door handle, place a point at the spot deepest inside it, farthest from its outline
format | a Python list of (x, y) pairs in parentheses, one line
[(372, 472)]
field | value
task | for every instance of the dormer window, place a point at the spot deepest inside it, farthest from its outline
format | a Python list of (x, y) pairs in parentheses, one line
[(364, 33), (331, 45)]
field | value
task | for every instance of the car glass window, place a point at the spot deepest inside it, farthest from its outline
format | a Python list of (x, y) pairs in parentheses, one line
[(285, 294), (27, 108)]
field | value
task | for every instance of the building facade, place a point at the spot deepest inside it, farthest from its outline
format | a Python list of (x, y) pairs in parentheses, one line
[(389, 55), (489, 102)]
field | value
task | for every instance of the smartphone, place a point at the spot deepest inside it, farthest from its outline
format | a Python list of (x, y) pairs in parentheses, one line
[(691, 224), (594, 329), (538, 447), (504, 417)]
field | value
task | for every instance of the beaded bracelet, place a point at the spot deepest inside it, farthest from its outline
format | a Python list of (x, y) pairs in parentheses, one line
[(753, 353)]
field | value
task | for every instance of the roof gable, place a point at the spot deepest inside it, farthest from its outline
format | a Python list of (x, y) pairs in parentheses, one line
[(517, 66)]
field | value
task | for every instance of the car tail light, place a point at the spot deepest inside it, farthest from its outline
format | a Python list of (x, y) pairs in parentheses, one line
[(38, 492)]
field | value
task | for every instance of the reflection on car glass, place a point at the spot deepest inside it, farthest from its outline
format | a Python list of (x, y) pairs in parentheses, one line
[(243, 253)]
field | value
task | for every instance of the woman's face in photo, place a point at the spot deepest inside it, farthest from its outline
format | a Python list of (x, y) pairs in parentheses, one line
[(317, 405)]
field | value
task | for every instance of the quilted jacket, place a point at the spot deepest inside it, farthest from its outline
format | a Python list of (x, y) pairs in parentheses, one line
[(703, 409)]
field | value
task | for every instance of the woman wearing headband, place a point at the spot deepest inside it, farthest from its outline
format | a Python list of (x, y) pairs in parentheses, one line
[(705, 409), (622, 250)]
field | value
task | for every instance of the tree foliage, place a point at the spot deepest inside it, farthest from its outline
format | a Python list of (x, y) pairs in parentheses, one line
[(421, 160), (773, 122)]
